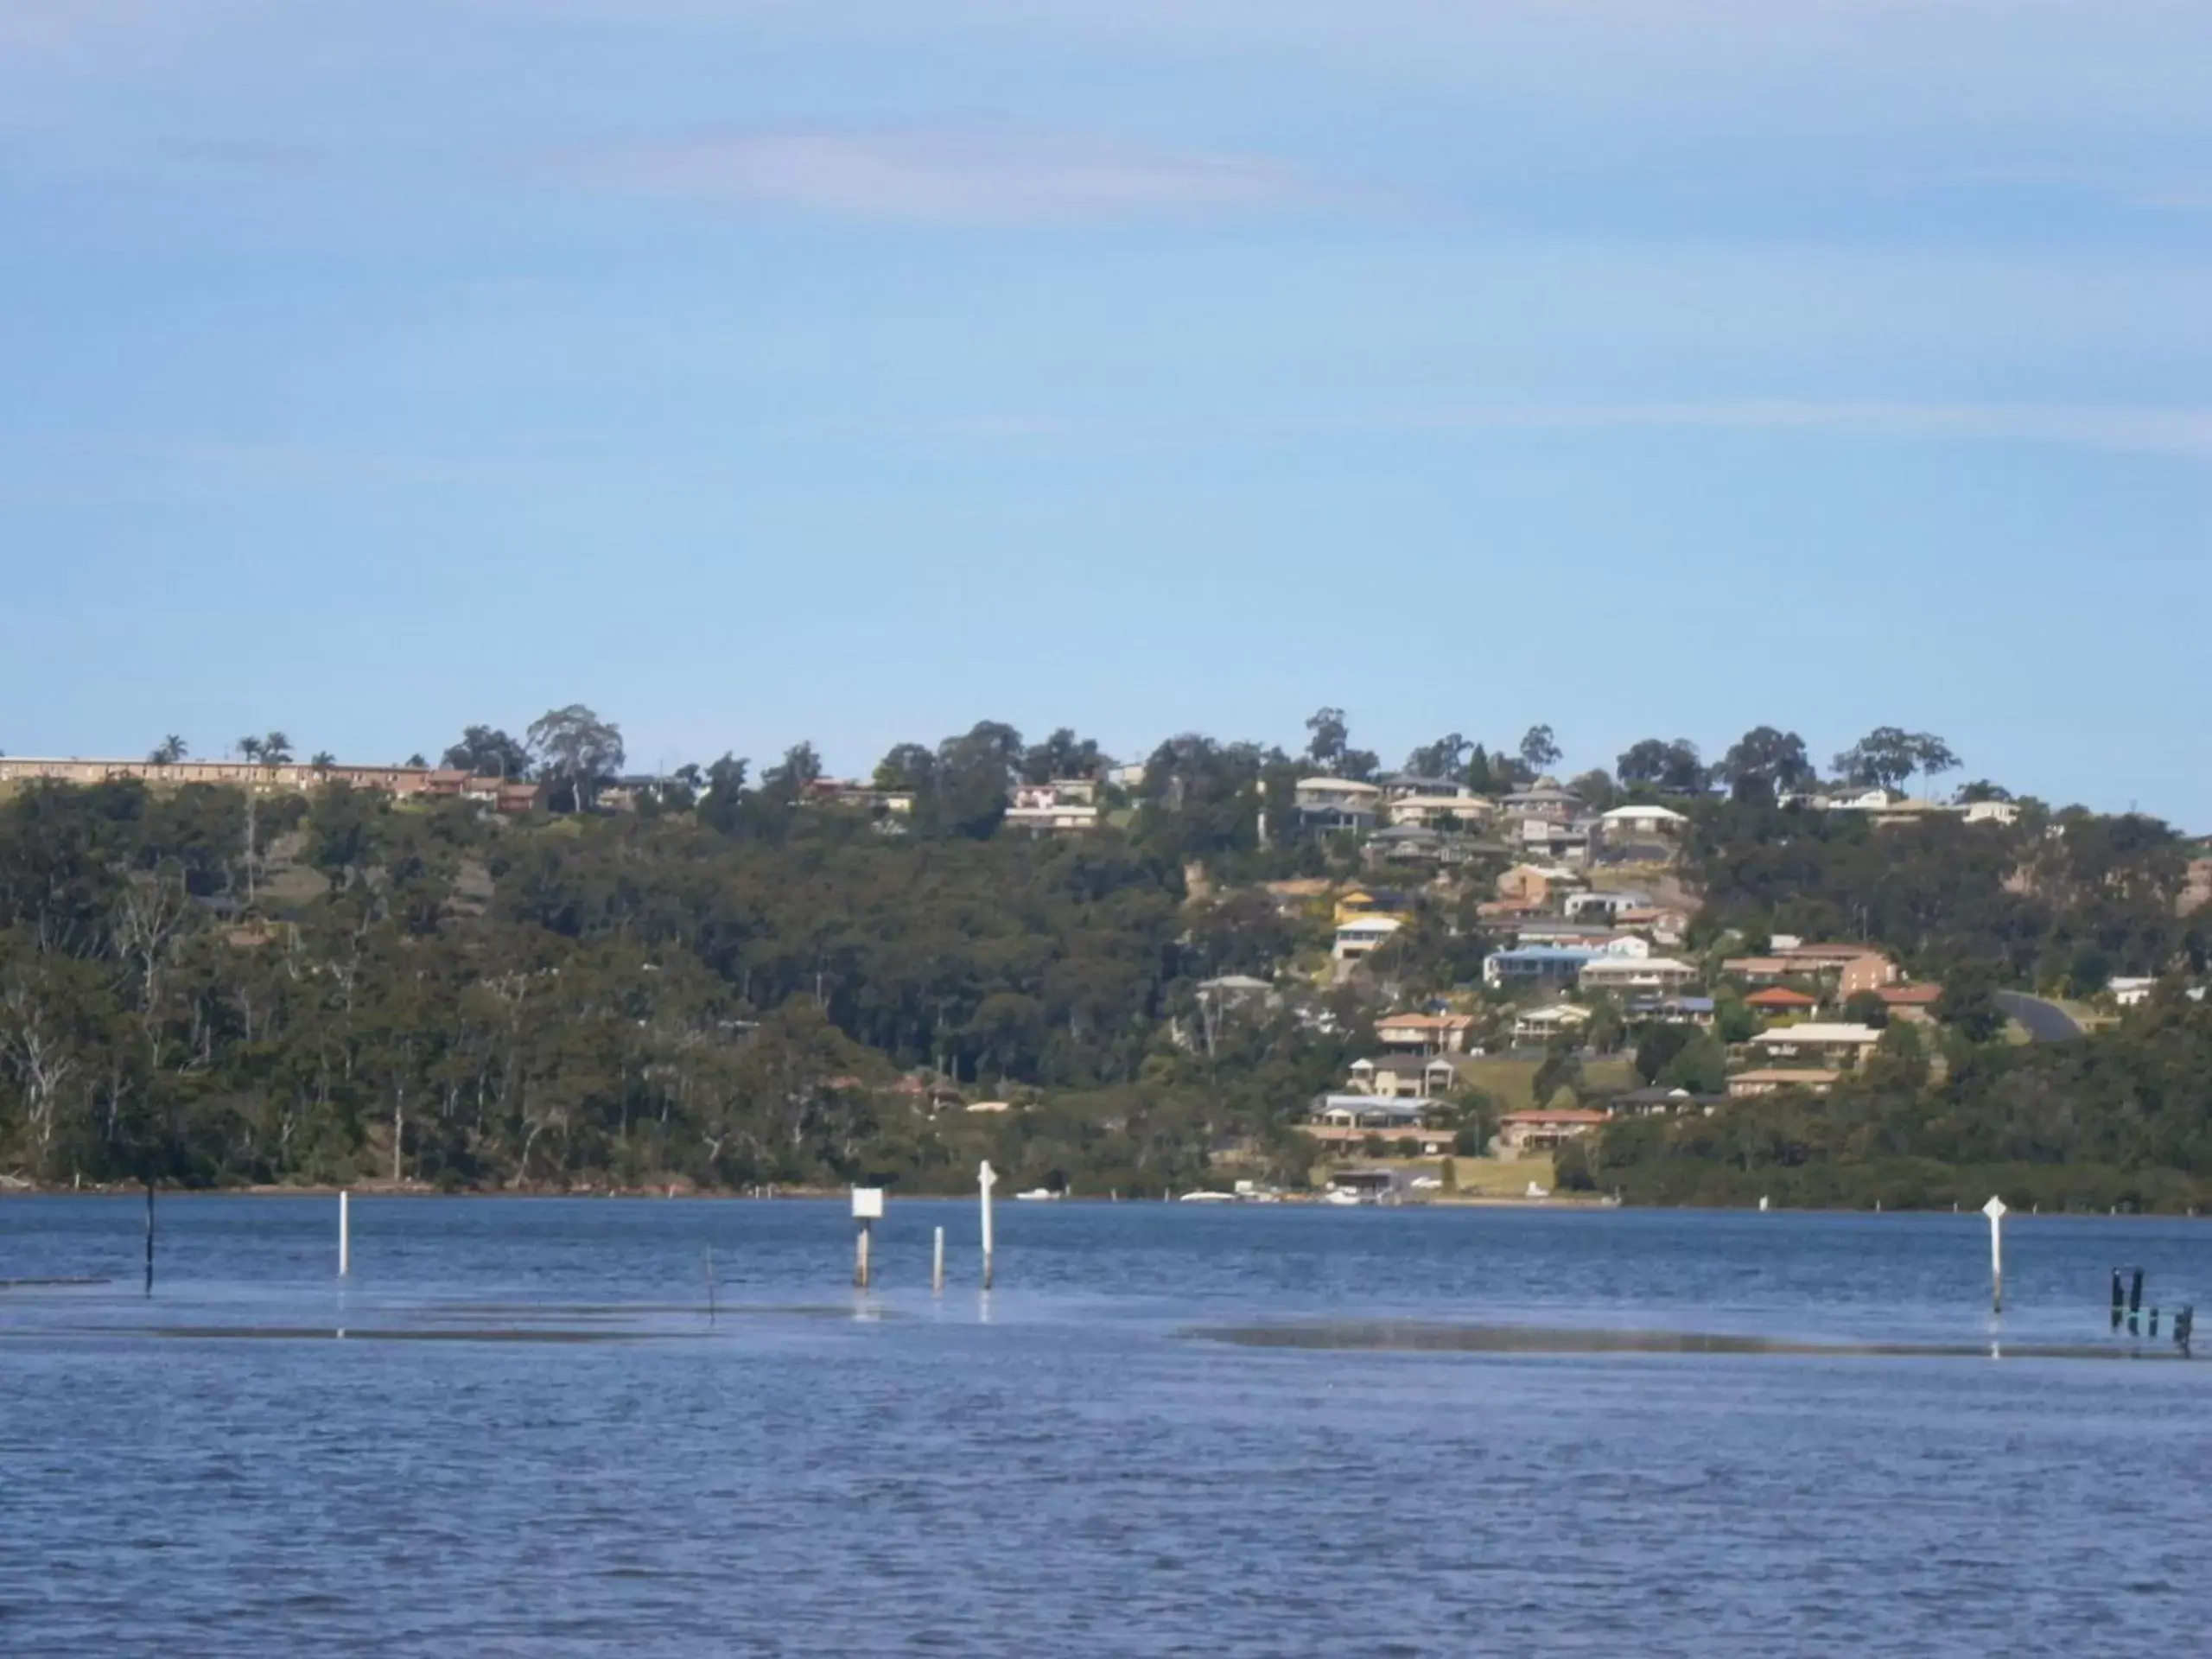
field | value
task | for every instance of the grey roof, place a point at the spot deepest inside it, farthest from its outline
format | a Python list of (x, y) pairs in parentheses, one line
[(1235, 982)]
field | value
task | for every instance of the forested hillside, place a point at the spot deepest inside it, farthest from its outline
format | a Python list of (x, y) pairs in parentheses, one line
[(623, 998), (738, 983)]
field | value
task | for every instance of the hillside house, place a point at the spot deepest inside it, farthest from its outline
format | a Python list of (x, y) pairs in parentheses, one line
[(1565, 843), (1355, 902), (1597, 937), (1413, 785), (1403, 1076), (846, 792), (1604, 906), (1853, 968), (1636, 973), (1914, 1004), (1697, 1011), (1326, 803), (1663, 923), (1535, 884), (1814, 1041), (1065, 806), (1746, 1085), (1362, 936), (1641, 822), (1415, 848), (1534, 1027), (1535, 965), (1542, 801), (1544, 1129), (1470, 812), (1659, 1101), (1425, 1033), (1857, 967), (1782, 1002), (1350, 1120)]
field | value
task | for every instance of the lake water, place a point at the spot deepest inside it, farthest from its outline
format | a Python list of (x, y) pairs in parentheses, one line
[(1070, 1464)]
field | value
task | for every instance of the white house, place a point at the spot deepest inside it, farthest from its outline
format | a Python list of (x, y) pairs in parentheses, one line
[(1583, 906), (1067, 804), (1361, 936), (1541, 1025), (1472, 811), (1636, 973), (1815, 1040), (1646, 820), (1337, 803)]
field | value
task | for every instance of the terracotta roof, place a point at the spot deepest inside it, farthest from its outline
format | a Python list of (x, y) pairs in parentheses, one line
[(1562, 1115), (1915, 996), (1781, 996)]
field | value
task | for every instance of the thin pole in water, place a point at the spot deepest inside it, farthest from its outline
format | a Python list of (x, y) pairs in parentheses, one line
[(710, 1284), (937, 1265), (345, 1234), (985, 1180), (149, 1238), (860, 1254), (1995, 1211)]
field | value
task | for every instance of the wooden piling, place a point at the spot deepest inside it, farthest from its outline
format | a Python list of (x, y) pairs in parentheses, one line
[(149, 1238)]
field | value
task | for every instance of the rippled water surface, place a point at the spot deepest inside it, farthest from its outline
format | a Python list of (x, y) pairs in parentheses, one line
[(533, 1438)]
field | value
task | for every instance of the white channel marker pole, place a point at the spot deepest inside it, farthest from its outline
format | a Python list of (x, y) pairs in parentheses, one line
[(985, 1180), (345, 1234), (1995, 1211), (937, 1264)]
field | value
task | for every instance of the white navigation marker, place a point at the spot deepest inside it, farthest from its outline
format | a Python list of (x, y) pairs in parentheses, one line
[(345, 1234), (868, 1210), (1995, 1211), (986, 1178)]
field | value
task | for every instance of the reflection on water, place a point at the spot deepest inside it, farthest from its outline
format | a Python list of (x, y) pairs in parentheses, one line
[(1411, 1432)]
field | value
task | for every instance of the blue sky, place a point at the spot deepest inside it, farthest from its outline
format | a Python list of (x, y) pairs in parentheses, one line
[(854, 370)]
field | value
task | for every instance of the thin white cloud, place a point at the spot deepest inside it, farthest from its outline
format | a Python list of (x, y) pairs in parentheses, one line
[(2174, 431), (949, 177)]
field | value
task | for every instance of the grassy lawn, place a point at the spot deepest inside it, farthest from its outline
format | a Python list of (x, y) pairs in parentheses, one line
[(1512, 1083)]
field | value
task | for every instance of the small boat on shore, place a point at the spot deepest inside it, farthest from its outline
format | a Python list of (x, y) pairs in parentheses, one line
[(1039, 1195)]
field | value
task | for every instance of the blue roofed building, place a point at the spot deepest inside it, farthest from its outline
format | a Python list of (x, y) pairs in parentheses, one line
[(1535, 965)]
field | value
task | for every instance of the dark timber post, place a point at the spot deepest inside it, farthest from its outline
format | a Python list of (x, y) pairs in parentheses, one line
[(149, 1238)]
